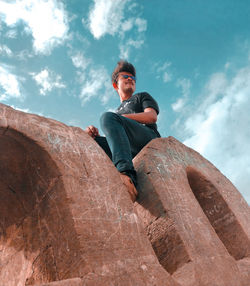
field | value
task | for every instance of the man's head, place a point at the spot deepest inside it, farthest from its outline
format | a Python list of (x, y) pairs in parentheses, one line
[(124, 77), (123, 66)]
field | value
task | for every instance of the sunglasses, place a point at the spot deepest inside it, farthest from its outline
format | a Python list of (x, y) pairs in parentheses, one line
[(127, 76)]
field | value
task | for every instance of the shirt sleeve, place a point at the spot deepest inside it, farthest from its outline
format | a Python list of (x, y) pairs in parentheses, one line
[(148, 101)]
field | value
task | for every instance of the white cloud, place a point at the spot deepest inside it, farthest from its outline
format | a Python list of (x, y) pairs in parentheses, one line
[(9, 85), (45, 20), (48, 81), (215, 88), (135, 43), (97, 85), (178, 105), (4, 50), (95, 81), (80, 61), (130, 45), (11, 34), (219, 127), (125, 49), (185, 85), (127, 25), (167, 77), (24, 55), (162, 71), (132, 6), (141, 24), (227, 65), (163, 67), (106, 17)]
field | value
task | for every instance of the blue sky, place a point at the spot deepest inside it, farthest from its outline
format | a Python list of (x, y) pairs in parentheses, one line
[(193, 57)]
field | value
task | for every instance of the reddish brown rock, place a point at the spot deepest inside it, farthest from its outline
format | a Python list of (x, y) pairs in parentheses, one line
[(67, 282), (197, 222), (65, 216)]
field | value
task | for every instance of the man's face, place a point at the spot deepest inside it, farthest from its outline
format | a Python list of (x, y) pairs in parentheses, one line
[(126, 85)]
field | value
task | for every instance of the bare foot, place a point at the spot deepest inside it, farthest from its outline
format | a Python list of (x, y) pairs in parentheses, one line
[(130, 186)]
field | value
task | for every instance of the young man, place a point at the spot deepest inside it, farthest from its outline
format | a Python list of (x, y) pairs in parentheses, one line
[(128, 129)]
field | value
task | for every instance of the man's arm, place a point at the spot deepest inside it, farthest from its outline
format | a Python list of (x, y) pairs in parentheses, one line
[(149, 116)]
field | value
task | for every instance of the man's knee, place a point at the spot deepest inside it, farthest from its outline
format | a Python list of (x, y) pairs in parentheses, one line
[(108, 117)]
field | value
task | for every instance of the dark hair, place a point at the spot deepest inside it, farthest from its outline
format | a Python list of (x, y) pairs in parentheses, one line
[(122, 66)]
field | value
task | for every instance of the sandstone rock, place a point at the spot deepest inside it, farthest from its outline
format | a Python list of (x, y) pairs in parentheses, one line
[(197, 222), (65, 216), (68, 282)]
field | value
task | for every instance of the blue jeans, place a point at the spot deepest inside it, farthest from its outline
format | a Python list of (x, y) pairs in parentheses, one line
[(124, 140)]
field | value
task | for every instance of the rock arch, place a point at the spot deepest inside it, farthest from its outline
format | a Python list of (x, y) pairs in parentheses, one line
[(33, 212), (196, 220), (74, 222), (220, 215)]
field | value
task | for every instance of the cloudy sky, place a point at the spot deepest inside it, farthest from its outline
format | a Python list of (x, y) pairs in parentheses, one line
[(193, 57)]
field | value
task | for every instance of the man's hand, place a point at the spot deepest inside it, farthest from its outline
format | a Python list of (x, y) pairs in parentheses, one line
[(92, 131)]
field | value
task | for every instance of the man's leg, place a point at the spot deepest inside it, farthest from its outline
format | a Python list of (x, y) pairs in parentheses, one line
[(102, 142), (125, 138)]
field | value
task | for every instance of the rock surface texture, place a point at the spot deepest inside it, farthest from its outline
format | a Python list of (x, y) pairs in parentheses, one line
[(66, 219), (196, 220)]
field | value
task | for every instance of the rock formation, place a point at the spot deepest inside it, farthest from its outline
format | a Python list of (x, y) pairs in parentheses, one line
[(66, 219), (197, 222)]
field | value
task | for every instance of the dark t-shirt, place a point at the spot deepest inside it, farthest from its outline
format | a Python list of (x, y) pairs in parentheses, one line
[(137, 103)]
